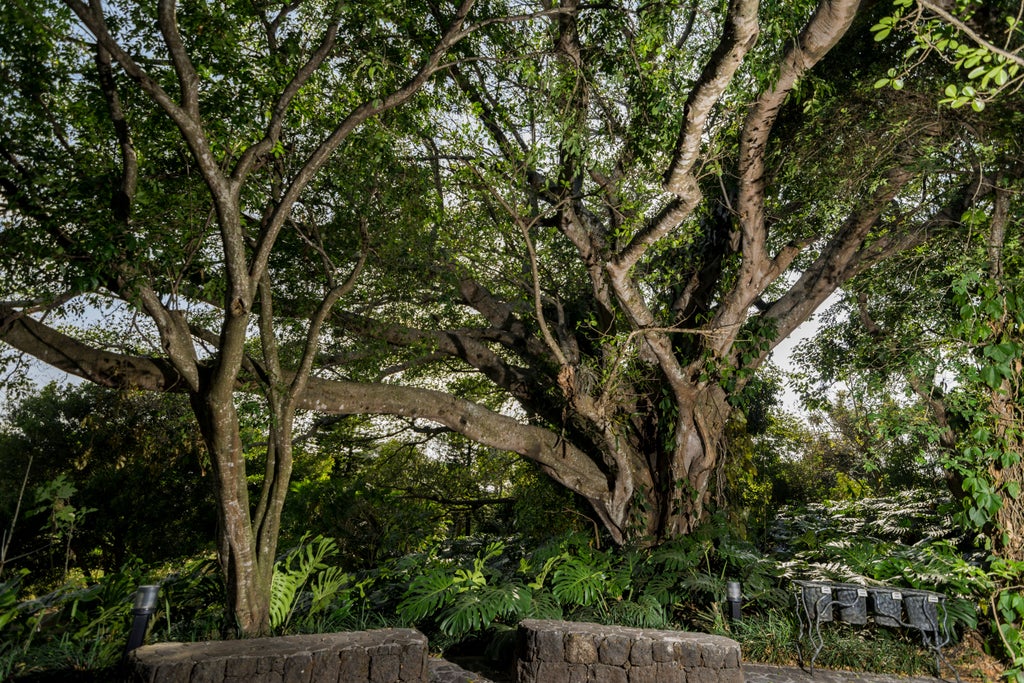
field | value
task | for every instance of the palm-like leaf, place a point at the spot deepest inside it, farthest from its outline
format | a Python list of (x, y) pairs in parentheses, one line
[(577, 583), (426, 595)]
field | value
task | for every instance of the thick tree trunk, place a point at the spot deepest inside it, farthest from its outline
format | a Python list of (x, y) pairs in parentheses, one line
[(1009, 520), (684, 474), (697, 460), (1010, 517)]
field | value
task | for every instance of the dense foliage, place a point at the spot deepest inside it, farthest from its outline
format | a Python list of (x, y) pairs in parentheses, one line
[(468, 593), (573, 233)]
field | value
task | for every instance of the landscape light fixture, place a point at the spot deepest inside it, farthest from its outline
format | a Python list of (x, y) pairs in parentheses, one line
[(142, 610), (734, 596)]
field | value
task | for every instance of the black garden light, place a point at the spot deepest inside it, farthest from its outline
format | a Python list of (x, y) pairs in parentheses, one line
[(734, 596), (142, 610)]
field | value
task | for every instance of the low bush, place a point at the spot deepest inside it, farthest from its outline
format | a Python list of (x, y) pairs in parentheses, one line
[(474, 590)]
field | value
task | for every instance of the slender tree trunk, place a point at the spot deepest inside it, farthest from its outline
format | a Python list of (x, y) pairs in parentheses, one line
[(1010, 517), (247, 578)]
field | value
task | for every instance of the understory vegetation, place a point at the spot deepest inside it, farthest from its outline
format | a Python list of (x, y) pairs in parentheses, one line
[(462, 545)]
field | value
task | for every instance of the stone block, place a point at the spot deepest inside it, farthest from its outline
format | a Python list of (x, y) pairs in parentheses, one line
[(731, 675), (324, 667), (298, 668), (526, 671), (580, 648), (552, 671), (663, 650), (386, 664), (242, 669), (578, 673), (550, 646), (689, 651), (605, 673), (713, 655), (208, 671), (175, 672), (643, 674), (702, 675), (246, 669), (671, 672), (414, 664), (614, 650), (353, 664), (641, 652)]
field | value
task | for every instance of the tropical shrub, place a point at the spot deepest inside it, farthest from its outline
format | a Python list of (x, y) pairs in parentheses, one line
[(680, 583)]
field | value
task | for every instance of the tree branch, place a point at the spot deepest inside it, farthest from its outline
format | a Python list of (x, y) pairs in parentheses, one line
[(961, 26), (830, 21)]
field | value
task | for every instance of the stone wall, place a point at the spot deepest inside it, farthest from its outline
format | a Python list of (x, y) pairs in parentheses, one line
[(383, 656), (571, 652), (443, 671), (548, 652)]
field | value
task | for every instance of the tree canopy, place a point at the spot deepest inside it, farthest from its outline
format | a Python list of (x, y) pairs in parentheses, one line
[(572, 232)]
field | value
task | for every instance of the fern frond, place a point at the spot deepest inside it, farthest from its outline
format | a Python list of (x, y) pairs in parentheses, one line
[(326, 586), (283, 588), (288, 579), (677, 557), (662, 589), (476, 609), (643, 613), (544, 605)]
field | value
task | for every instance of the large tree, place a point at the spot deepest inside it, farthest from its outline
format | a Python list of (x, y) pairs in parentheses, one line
[(612, 213), (638, 212), (160, 158)]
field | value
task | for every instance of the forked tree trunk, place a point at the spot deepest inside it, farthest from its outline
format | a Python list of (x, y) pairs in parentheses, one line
[(696, 462), (672, 483)]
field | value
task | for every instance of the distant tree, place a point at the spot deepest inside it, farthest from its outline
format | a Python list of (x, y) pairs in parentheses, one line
[(943, 332), (846, 448), (135, 460), (382, 499)]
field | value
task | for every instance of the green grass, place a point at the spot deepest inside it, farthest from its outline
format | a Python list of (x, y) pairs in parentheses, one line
[(772, 639)]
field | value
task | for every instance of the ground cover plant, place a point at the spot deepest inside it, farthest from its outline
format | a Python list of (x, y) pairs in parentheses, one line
[(468, 593)]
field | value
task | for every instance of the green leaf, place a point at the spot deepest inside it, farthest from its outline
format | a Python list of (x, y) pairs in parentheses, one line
[(427, 593), (577, 583), (991, 376)]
